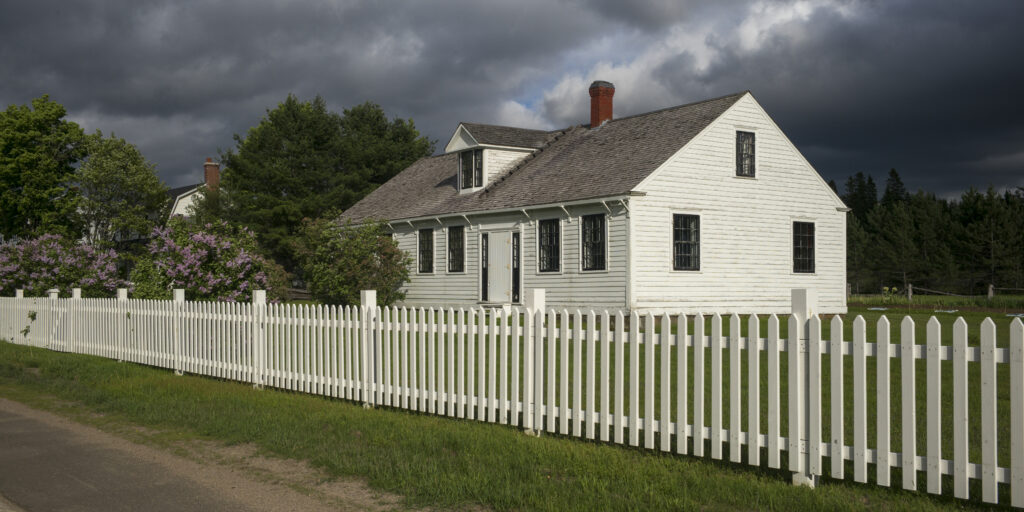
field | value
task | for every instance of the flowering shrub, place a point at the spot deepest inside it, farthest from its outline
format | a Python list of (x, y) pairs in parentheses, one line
[(52, 261), (210, 261), (341, 260)]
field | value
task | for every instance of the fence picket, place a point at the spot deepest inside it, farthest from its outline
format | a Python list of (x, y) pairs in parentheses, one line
[(577, 374), (698, 385), (960, 422), (464, 321), (620, 351), (634, 379), (648, 419), (735, 449), (753, 391), (883, 390), (1017, 413), (860, 404), (774, 405), (503, 366), (665, 377), (563, 375), (716, 386), (550, 369), (514, 407), (591, 360), (606, 362), (814, 396), (908, 404), (482, 397), (989, 484), (934, 398), (682, 373), (837, 400), (795, 407)]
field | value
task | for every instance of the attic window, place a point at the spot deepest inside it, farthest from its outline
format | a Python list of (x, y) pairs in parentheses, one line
[(471, 169), (745, 154)]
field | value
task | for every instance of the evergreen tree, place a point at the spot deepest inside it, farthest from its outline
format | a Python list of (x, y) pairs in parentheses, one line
[(894, 189), (861, 195), (303, 160)]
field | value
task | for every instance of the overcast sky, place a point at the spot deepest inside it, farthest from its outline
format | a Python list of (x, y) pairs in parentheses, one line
[(932, 87)]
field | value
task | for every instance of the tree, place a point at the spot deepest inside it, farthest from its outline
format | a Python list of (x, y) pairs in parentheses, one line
[(302, 161), (896, 250), (340, 261), (122, 197), (894, 189), (861, 195), (37, 156)]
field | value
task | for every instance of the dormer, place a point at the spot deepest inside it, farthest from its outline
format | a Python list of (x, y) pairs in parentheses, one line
[(486, 152)]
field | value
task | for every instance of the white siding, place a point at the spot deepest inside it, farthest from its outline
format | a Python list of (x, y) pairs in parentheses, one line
[(570, 288), (497, 162), (183, 204), (745, 225)]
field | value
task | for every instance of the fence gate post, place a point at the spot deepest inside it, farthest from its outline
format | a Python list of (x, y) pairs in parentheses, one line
[(122, 335), (179, 328), (51, 318), (805, 305), (19, 294), (69, 335), (535, 300), (17, 314), (368, 343), (259, 337)]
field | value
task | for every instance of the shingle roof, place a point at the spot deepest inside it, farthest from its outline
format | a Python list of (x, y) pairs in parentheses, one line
[(177, 191), (574, 164), (507, 135)]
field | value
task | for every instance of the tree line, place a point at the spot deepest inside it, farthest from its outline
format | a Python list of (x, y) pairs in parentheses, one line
[(958, 245)]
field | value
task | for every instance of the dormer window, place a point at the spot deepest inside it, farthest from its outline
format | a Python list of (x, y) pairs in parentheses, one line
[(471, 169)]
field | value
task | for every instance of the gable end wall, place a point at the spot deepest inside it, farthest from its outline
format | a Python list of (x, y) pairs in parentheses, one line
[(745, 225)]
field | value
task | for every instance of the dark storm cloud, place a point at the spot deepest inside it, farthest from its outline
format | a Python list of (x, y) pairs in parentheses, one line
[(926, 87)]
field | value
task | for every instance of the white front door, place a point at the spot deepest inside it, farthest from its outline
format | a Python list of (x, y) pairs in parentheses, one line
[(499, 267)]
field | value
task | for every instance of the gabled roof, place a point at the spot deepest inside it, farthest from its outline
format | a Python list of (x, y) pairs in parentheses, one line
[(573, 164), (176, 192), (507, 135)]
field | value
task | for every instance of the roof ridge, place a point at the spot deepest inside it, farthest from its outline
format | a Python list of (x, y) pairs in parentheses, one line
[(510, 127), (558, 134), (684, 105)]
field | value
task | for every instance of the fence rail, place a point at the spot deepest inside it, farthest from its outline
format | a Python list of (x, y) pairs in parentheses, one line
[(684, 384)]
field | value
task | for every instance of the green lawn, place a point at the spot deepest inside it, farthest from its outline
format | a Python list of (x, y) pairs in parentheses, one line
[(433, 461)]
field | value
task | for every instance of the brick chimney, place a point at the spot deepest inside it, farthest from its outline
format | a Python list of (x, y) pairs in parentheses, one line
[(211, 174), (601, 93)]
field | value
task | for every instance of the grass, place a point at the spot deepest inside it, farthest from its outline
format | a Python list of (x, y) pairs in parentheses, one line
[(1004, 303), (433, 461)]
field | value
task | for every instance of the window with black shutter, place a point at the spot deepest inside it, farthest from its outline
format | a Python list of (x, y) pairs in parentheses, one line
[(456, 249), (593, 243), (426, 251), (803, 247), (548, 240), (516, 273), (483, 267), (745, 154), (685, 242)]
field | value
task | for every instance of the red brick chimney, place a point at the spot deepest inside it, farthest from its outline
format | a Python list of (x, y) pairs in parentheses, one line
[(211, 174), (601, 93)]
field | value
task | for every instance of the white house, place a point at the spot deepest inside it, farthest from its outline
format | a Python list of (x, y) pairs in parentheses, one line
[(182, 198), (700, 207)]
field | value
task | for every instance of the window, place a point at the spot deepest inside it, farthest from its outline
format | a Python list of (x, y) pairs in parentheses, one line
[(548, 241), (426, 251), (516, 257), (456, 249), (686, 242), (471, 168), (745, 154), (803, 247), (483, 267), (593, 242)]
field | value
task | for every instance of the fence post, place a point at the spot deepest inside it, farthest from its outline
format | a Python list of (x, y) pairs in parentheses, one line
[(535, 300), (71, 334), (804, 305), (18, 309), (991, 291), (52, 317), (121, 314), (19, 294), (259, 337), (368, 343), (910, 293), (179, 328)]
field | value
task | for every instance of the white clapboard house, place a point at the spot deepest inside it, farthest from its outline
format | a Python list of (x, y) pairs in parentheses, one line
[(702, 207)]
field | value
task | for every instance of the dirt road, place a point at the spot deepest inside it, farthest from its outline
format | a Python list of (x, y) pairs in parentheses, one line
[(48, 462)]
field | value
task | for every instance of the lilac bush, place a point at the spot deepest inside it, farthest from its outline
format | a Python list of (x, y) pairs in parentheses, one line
[(52, 261), (210, 261)]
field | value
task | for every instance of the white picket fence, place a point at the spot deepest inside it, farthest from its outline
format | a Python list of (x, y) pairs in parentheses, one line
[(598, 375)]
